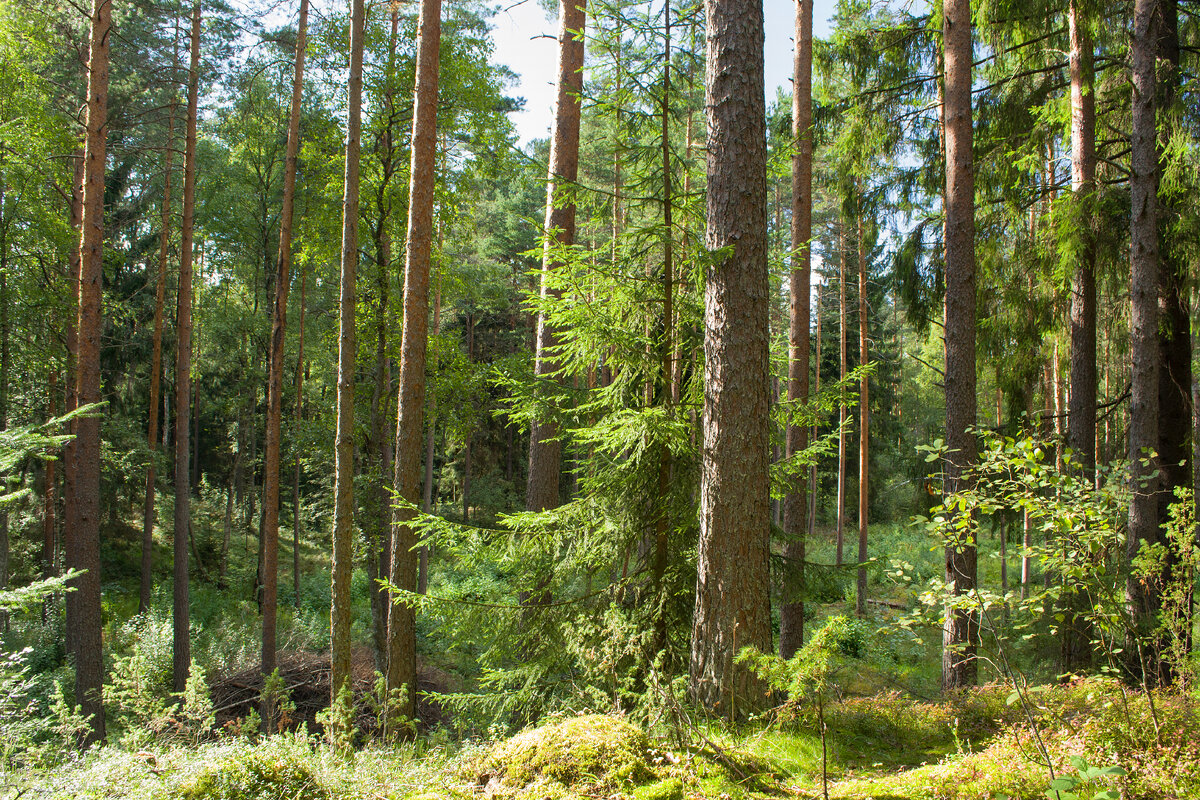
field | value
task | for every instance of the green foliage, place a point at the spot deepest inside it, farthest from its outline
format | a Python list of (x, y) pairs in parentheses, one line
[(338, 721), (41, 727)]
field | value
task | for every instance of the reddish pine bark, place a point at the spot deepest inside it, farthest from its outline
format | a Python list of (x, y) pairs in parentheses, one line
[(270, 508), (545, 454), (958, 651), (795, 506), (84, 499), (732, 605)]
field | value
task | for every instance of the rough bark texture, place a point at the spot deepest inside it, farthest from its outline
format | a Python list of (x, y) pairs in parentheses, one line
[(148, 511), (85, 496), (1143, 313), (545, 452), (1081, 422), (70, 402), (732, 605), (795, 505), (283, 277), (402, 656), (183, 377), (958, 652), (343, 513)]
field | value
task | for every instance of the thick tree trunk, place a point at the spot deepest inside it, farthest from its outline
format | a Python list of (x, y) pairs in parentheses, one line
[(864, 417), (795, 524), (283, 277), (1081, 416), (183, 376), (958, 652), (732, 604), (1143, 315), (545, 453), (402, 656), (343, 515), (84, 496)]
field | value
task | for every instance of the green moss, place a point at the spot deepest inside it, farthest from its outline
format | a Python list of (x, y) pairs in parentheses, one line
[(253, 774), (670, 789), (593, 749)]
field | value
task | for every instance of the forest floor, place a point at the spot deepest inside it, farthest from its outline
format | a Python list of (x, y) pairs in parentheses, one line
[(1103, 741)]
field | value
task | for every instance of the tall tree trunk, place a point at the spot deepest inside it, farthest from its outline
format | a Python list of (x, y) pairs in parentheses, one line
[(379, 559), (1081, 417), (958, 651), (343, 515), (402, 656), (662, 525), (148, 512), (732, 603), (283, 277), (843, 369), (545, 452), (183, 375), (85, 496), (795, 524), (864, 415), (1143, 313), (299, 420)]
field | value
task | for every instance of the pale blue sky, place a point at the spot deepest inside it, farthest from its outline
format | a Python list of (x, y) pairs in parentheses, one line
[(525, 43)]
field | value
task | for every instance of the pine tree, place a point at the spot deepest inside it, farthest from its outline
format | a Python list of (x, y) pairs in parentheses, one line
[(732, 608), (958, 653), (402, 653), (343, 514), (283, 268)]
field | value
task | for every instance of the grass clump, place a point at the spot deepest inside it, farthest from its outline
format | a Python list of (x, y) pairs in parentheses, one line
[(594, 750)]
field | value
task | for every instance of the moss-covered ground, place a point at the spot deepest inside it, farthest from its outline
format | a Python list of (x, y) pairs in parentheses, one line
[(1103, 742)]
